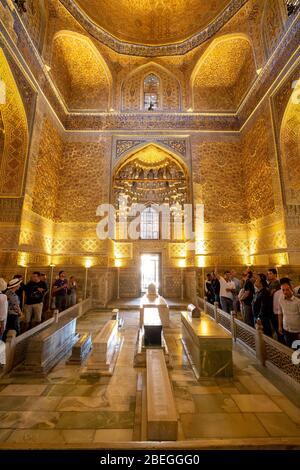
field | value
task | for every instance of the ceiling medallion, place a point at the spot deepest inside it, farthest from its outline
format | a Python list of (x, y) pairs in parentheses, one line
[(179, 48)]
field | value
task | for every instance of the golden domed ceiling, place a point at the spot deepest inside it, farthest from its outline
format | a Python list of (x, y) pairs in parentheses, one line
[(152, 21)]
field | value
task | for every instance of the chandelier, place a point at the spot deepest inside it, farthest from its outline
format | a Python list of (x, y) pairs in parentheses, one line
[(292, 6), (21, 5)]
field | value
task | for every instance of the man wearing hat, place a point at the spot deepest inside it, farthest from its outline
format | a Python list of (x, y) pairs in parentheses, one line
[(3, 307), (14, 311)]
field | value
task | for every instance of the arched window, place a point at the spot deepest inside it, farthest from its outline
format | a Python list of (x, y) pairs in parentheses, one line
[(149, 224), (151, 92)]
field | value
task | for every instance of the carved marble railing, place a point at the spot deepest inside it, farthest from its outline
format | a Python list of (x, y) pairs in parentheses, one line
[(268, 351)]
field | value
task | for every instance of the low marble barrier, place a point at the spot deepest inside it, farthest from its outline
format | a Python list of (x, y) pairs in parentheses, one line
[(208, 346), (162, 418)]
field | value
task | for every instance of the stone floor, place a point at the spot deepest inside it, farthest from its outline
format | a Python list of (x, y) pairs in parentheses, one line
[(65, 409)]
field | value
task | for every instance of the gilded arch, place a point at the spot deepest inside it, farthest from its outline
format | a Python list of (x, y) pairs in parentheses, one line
[(35, 19), (80, 72), (223, 74), (290, 147), (132, 88), (151, 174), (273, 24), (15, 132)]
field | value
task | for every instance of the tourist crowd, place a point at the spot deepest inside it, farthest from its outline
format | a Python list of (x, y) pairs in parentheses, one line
[(265, 297), (25, 305)]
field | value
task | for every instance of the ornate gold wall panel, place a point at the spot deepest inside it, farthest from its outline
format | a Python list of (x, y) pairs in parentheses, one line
[(48, 171), (85, 162), (69, 173), (223, 74), (80, 72), (1, 135), (36, 235), (259, 168), (290, 149), (273, 25), (35, 20), (15, 145), (222, 197)]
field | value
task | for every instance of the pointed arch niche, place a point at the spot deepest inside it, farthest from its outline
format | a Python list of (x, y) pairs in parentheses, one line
[(223, 74), (290, 147), (167, 89), (151, 175), (80, 73), (13, 135)]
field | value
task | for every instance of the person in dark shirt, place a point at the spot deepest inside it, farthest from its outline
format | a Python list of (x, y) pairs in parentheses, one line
[(216, 288), (35, 290), (209, 291), (60, 289), (246, 299), (262, 304), (273, 281)]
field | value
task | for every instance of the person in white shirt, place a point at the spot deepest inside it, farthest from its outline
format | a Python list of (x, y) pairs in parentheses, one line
[(237, 284), (289, 313), (227, 291), (3, 306)]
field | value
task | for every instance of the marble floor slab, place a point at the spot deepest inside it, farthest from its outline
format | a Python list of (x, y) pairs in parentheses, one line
[(113, 435), (222, 425), (95, 420), (278, 425), (256, 404), (215, 403), (23, 390)]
